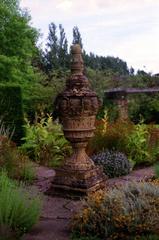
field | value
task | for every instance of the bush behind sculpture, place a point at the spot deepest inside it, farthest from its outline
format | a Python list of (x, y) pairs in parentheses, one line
[(114, 163), (139, 142)]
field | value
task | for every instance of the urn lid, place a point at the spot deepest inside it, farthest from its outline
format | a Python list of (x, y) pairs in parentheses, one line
[(77, 65)]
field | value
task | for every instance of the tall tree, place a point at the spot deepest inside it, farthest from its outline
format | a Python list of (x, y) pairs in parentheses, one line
[(52, 48), (63, 48), (57, 49), (77, 39)]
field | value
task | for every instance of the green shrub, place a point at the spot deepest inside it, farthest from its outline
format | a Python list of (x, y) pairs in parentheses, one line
[(144, 105), (18, 210), (14, 161), (28, 173), (129, 210), (75, 237), (45, 142), (111, 108), (110, 136), (114, 163), (139, 142), (149, 237), (156, 168), (11, 110), (142, 145)]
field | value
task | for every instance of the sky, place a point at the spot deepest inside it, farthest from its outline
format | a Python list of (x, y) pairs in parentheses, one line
[(128, 29)]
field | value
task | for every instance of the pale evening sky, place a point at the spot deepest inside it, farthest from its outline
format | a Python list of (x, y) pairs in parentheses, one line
[(128, 29)]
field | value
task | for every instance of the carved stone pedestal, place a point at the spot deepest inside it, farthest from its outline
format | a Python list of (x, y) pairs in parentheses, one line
[(75, 184), (78, 176)]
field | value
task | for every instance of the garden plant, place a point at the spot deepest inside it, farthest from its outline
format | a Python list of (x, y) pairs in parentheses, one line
[(16, 164), (19, 211), (31, 77), (114, 163), (45, 142), (139, 142), (119, 213)]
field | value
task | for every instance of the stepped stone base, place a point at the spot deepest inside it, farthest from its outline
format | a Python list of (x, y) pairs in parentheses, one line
[(77, 183)]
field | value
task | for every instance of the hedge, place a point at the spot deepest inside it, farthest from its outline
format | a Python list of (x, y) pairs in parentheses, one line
[(11, 110)]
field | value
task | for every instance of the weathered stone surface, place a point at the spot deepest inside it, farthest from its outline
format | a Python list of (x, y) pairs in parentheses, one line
[(77, 107)]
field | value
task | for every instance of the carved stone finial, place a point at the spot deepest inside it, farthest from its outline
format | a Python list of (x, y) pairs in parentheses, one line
[(77, 65)]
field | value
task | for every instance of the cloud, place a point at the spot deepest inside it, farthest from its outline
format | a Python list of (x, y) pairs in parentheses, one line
[(65, 5), (125, 28), (141, 50), (87, 7)]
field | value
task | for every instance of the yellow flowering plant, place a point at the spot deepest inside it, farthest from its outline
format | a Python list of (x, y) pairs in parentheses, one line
[(130, 210)]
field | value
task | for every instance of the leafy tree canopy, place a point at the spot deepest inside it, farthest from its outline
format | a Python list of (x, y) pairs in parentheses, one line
[(12, 5), (18, 52), (17, 38)]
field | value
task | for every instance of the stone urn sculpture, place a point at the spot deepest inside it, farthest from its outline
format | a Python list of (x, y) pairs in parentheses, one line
[(77, 107)]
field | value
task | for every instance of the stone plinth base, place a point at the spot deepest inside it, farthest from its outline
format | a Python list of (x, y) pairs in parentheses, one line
[(77, 183)]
